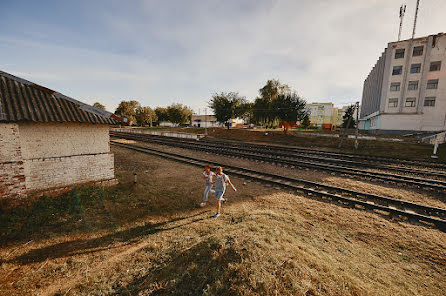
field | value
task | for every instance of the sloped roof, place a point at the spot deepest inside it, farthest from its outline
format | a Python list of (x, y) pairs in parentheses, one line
[(22, 100)]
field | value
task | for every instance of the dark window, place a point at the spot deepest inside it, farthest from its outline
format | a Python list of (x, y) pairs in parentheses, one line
[(418, 51), (395, 86), (432, 84), (435, 66), (399, 53), (410, 102), (429, 102), (397, 70), (413, 85), (393, 102), (415, 68)]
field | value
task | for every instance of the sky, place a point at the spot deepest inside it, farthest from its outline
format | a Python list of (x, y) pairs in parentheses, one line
[(164, 52)]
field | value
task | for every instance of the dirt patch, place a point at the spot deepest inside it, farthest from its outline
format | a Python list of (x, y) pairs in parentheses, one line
[(390, 190)]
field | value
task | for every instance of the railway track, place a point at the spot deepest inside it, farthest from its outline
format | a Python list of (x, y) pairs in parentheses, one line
[(387, 206), (335, 166)]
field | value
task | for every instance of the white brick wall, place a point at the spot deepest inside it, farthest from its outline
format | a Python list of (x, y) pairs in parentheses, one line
[(49, 173), (9, 142), (41, 156), (40, 140)]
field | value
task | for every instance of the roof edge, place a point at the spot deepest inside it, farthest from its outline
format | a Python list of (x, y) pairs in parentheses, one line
[(83, 106)]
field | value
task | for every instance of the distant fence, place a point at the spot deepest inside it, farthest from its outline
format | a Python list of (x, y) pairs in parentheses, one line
[(158, 133), (441, 137)]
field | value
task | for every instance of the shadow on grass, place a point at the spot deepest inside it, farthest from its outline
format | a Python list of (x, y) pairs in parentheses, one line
[(204, 269), (86, 246)]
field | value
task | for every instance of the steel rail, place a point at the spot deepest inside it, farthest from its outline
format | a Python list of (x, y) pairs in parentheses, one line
[(356, 160), (418, 182), (360, 200)]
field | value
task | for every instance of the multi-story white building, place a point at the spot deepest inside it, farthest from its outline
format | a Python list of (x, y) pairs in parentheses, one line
[(406, 89), (322, 115)]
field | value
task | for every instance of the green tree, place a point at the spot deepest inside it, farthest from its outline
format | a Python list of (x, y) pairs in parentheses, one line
[(161, 114), (128, 109), (145, 115), (179, 114), (288, 108), (99, 105), (273, 88), (347, 120), (264, 111), (306, 120), (227, 106)]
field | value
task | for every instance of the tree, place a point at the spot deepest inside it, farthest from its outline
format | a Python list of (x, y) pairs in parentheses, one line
[(227, 106), (161, 114), (265, 110), (179, 114), (287, 108), (145, 115), (273, 88), (99, 105), (128, 109), (347, 120), (306, 120)]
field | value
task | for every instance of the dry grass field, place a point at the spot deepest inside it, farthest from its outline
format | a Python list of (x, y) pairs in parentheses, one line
[(152, 239)]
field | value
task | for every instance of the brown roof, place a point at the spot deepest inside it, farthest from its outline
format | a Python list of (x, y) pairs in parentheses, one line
[(21, 100)]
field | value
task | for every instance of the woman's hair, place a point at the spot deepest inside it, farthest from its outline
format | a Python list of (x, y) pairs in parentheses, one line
[(208, 167)]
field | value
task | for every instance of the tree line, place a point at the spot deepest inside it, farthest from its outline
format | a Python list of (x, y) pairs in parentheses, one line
[(140, 115), (276, 105)]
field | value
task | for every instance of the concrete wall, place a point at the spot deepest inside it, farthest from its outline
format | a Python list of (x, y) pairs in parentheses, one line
[(43, 156), (418, 117), (371, 93)]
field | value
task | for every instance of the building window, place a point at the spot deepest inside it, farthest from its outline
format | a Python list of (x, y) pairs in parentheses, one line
[(429, 102), (395, 86), (415, 68), (399, 53), (435, 66), (432, 84), (417, 51), (393, 103), (413, 85), (397, 70), (410, 102)]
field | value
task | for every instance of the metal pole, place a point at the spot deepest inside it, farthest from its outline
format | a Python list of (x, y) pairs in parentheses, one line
[(357, 125), (402, 11), (434, 155), (206, 121), (415, 20), (134, 178)]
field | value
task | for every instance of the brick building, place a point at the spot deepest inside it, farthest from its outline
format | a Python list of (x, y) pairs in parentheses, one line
[(49, 142)]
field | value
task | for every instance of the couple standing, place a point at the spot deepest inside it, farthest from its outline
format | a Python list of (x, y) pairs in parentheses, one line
[(220, 180)]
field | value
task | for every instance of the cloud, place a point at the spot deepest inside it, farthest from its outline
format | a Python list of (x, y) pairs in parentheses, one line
[(183, 51)]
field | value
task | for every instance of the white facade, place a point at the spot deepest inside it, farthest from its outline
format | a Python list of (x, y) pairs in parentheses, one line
[(204, 121), (406, 90)]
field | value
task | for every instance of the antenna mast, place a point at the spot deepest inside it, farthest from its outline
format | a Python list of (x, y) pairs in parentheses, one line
[(415, 20), (402, 12)]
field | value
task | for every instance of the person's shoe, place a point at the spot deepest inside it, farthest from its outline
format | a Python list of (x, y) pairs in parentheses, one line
[(203, 204), (216, 215)]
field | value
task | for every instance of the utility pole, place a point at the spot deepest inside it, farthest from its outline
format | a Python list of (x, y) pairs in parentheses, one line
[(402, 12), (206, 121), (415, 20), (357, 125)]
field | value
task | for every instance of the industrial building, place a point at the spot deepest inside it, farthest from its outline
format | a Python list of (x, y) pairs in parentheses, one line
[(50, 142), (405, 91)]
